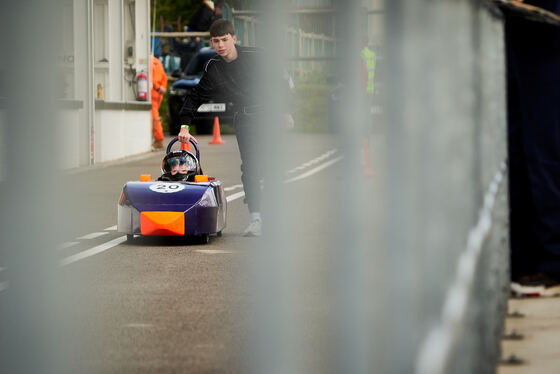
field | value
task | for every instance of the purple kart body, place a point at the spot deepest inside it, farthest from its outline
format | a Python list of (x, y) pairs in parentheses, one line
[(200, 207)]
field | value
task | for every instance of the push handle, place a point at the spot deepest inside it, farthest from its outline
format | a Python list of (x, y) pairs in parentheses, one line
[(176, 139)]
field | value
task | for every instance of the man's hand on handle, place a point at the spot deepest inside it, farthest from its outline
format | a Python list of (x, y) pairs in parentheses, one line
[(184, 136)]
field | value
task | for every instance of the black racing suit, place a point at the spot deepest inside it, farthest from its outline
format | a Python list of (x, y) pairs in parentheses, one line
[(235, 82)]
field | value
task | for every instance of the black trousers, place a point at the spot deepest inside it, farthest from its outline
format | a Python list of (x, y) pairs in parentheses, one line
[(250, 139), (533, 64)]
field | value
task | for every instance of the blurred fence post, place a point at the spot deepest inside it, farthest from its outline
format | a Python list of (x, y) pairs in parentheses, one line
[(35, 322), (447, 205)]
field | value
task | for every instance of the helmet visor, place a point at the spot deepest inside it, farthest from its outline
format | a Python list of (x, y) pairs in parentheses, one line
[(182, 164)]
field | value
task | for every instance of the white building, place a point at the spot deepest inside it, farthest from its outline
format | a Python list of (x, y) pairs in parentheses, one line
[(105, 44)]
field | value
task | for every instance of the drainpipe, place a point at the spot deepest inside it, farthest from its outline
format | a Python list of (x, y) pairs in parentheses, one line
[(124, 98), (90, 98)]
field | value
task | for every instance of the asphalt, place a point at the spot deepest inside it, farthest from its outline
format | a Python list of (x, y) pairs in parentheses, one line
[(534, 325), (168, 305)]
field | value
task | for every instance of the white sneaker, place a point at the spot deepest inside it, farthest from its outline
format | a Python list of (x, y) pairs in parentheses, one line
[(254, 228)]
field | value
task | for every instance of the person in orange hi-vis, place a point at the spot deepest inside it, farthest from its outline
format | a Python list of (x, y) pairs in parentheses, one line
[(159, 86)]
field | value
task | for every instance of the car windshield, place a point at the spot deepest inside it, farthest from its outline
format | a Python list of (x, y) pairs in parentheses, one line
[(196, 64)]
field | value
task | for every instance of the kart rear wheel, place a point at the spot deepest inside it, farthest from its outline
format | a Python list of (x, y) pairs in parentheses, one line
[(204, 239), (219, 234)]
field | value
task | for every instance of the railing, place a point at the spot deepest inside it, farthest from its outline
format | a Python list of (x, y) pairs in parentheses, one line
[(308, 51)]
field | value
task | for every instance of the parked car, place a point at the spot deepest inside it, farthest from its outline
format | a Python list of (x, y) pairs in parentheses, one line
[(204, 118)]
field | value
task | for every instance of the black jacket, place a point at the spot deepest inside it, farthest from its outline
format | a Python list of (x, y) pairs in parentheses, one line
[(232, 82)]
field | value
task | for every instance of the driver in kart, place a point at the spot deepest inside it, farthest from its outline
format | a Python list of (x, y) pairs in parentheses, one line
[(178, 166)]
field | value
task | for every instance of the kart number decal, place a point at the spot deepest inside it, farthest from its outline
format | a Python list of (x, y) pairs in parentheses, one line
[(167, 187)]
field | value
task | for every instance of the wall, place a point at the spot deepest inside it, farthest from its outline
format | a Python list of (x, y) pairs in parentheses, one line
[(69, 135), (121, 132), (103, 31)]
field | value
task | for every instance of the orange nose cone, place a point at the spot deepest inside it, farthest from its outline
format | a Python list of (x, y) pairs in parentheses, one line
[(162, 223), (145, 177)]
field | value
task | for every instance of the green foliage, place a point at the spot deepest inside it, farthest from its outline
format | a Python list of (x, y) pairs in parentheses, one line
[(171, 10), (164, 111), (311, 114)]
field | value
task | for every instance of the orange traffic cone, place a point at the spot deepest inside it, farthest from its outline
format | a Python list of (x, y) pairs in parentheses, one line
[(186, 146), (217, 139)]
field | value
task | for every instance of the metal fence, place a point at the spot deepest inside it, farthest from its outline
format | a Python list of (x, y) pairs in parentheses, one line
[(408, 273), (414, 264), (308, 51)]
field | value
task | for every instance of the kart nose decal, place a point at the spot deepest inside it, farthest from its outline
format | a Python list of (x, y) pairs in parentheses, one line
[(167, 187), (162, 223)]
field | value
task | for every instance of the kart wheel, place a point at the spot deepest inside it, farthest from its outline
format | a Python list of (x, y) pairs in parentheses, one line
[(219, 234), (129, 237), (204, 239)]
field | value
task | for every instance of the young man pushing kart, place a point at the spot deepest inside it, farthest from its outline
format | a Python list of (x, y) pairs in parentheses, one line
[(228, 77)]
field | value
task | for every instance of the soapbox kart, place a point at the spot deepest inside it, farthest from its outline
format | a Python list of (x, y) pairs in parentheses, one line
[(195, 207)]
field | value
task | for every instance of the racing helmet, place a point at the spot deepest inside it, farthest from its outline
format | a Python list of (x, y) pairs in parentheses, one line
[(183, 161)]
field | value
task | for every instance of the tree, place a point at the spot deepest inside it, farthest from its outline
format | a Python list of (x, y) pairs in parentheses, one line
[(171, 10)]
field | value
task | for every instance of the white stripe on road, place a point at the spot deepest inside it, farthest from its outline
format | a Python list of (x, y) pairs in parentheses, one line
[(93, 235), (92, 251), (314, 170), (309, 173), (212, 251), (235, 187), (314, 161), (139, 325), (235, 196), (67, 245), (112, 228)]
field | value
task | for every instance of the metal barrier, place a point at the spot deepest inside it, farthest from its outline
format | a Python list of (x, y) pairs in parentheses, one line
[(446, 126), (414, 265), (411, 274), (308, 51)]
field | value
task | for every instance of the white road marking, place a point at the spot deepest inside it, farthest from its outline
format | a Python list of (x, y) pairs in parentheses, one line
[(212, 251), (67, 245), (112, 228), (314, 170), (309, 173), (139, 325), (235, 196), (316, 160), (234, 187), (92, 251), (93, 235)]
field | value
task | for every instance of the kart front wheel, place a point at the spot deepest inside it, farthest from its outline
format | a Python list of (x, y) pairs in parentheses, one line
[(129, 237), (204, 239)]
